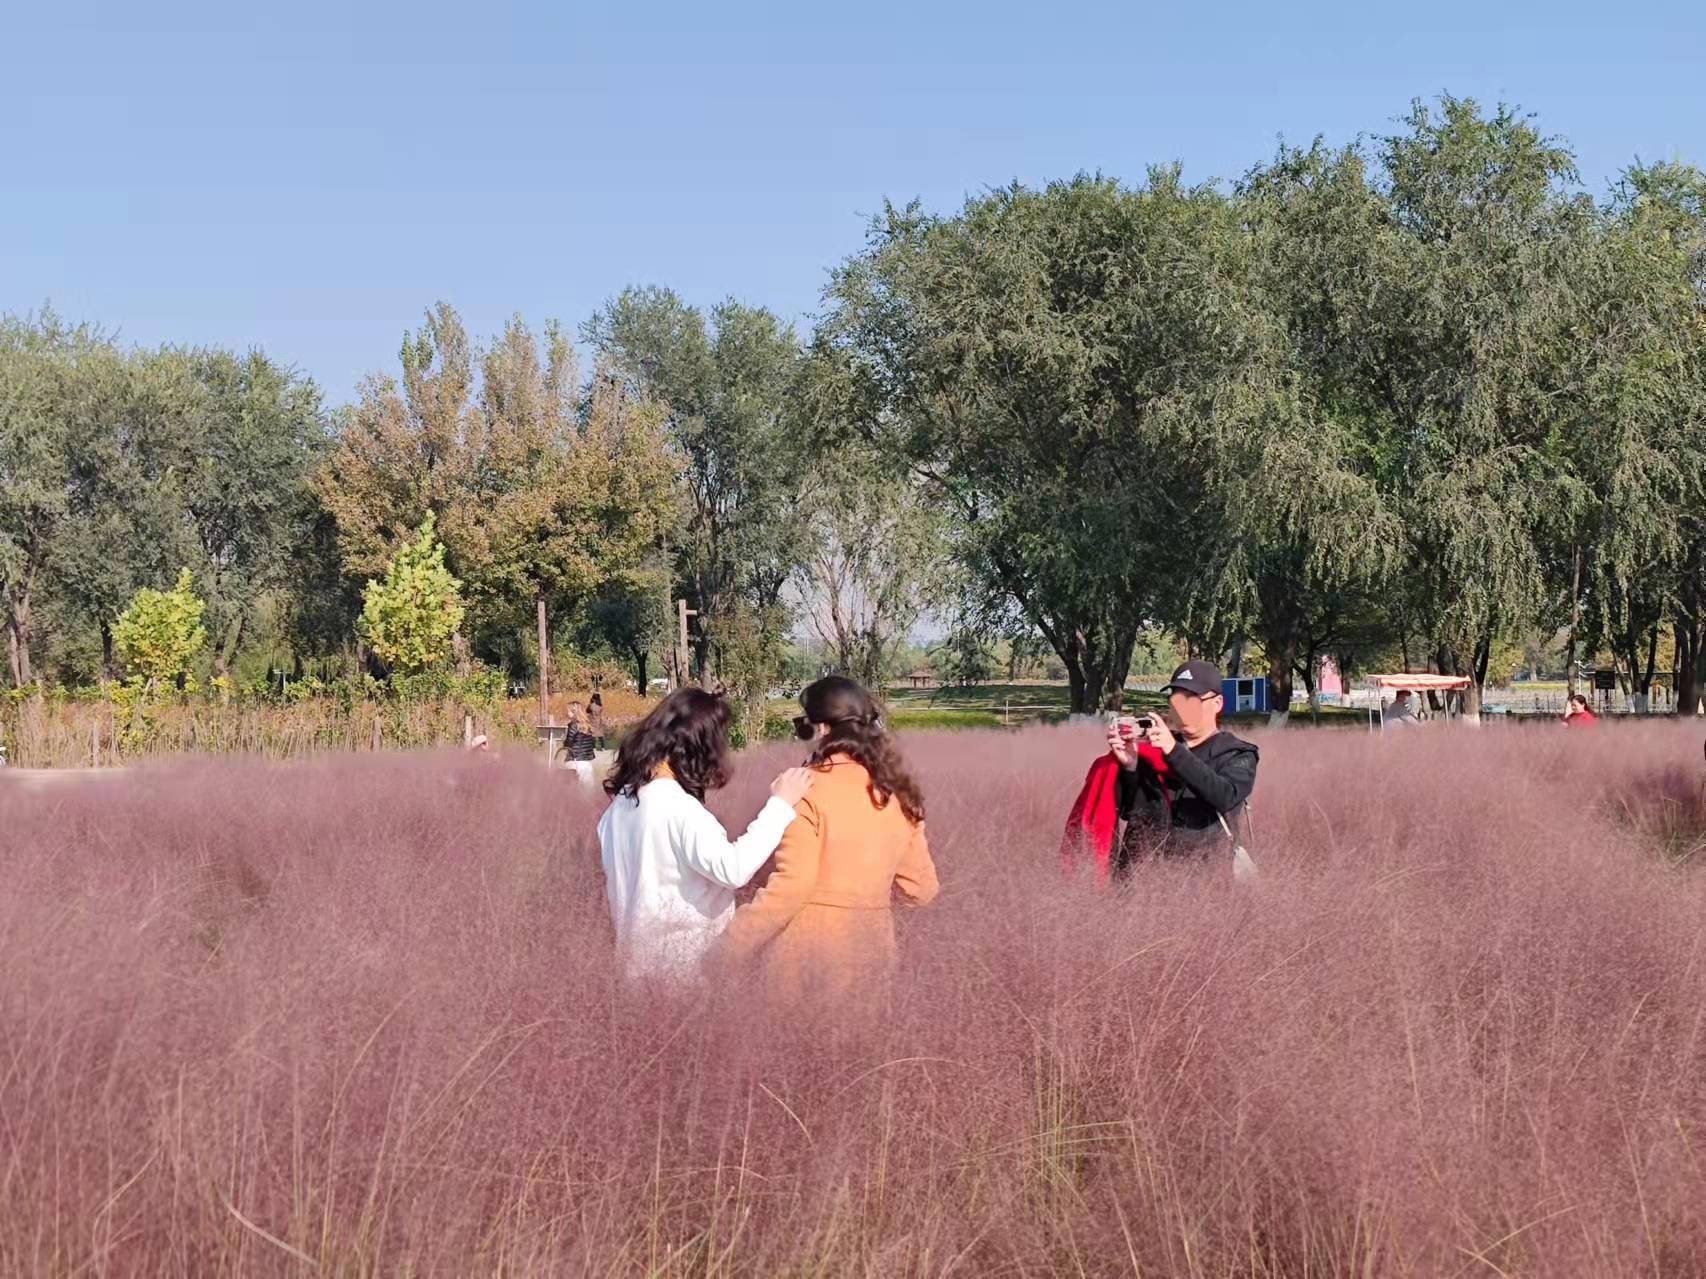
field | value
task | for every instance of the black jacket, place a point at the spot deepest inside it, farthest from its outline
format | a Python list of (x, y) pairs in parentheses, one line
[(579, 747), (1180, 817)]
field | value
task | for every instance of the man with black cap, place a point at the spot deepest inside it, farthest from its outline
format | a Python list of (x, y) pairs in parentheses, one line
[(1174, 795)]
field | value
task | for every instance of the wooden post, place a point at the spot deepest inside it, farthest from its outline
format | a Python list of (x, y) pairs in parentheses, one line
[(95, 743), (544, 667), (467, 730), (1573, 670), (376, 732), (684, 658)]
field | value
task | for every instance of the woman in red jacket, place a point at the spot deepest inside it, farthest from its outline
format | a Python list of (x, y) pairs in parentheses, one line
[(1577, 713)]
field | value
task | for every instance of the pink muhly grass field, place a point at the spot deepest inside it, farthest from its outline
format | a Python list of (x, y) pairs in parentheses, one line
[(359, 1016)]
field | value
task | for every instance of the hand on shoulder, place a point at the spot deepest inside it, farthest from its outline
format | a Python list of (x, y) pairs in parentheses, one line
[(793, 785)]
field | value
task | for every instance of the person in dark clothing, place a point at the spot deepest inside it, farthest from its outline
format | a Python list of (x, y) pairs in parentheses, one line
[(1173, 808), (595, 719), (579, 746)]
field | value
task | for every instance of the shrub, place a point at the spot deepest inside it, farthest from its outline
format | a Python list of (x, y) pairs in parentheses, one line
[(410, 617), (160, 633), (481, 687)]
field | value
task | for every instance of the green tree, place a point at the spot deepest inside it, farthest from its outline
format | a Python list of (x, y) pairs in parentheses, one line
[(402, 451), (90, 510), (875, 558), (1424, 325), (1472, 271), (750, 648), (964, 657), (725, 383), (1643, 470), (631, 614), (410, 617), (1310, 542), (161, 633), (249, 449), (572, 497), (34, 469), (539, 490), (1054, 363), (321, 604)]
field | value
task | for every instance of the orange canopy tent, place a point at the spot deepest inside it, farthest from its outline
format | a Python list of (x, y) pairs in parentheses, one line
[(1421, 681), (1416, 682)]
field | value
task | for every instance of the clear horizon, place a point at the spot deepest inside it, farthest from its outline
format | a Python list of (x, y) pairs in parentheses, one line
[(311, 183)]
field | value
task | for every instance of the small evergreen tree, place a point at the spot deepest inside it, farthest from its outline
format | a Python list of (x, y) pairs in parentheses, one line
[(160, 633), (410, 617)]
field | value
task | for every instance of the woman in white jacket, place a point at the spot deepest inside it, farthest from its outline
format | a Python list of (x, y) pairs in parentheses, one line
[(670, 869)]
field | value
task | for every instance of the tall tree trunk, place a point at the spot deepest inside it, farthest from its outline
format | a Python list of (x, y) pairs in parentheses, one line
[(1643, 674), (18, 641), (1235, 660), (1473, 695), (1307, 669), (1075, 685), (1630, 661), (700, 658), (1282, 658), (544, 665), (1070, 647), (1688, 663), (639, 656), (228, 650), (1445, 662), (1097, 660), (1106, 675), (1574, 674), (109, 662)]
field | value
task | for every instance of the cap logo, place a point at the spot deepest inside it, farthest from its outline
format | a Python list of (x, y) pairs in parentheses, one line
[(1182, 673)]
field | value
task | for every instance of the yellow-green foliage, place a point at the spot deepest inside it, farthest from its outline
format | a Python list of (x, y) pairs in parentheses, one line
[(410, 617), (159, 635)]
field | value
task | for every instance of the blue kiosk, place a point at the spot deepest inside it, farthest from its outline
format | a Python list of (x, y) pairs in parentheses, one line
[(1246, 694)]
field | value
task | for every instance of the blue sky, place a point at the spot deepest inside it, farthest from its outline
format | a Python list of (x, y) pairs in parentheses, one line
[(309, 178)]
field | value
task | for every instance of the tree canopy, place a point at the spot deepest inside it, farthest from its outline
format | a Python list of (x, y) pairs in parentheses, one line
[(1417, 399)]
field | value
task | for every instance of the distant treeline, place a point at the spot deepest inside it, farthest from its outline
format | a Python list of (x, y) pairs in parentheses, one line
[(1415, 400)]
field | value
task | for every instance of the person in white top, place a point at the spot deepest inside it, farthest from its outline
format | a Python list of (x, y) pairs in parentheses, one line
[(670, 869)]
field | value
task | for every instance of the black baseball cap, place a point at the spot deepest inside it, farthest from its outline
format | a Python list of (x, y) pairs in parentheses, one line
[(1201, 678)]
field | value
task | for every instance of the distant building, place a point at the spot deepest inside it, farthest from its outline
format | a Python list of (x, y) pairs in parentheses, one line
[(1327, 680)]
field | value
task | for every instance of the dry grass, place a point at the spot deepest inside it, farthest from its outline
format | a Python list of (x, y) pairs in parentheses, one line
[(358, 1016), (42, 733)]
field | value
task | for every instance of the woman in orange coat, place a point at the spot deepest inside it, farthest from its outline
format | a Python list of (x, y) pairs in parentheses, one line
[(822, 926)]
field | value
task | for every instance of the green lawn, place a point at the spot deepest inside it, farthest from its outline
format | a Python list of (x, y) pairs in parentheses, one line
[(998, 705), (988, 706), (994, 704)]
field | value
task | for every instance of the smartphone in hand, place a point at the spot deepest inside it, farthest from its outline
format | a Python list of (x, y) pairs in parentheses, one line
[(1131, 728)]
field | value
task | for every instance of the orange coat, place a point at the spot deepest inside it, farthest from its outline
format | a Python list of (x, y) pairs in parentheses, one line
[(822, 924)]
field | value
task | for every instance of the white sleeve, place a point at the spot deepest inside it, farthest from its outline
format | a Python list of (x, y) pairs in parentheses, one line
[(706, 846)]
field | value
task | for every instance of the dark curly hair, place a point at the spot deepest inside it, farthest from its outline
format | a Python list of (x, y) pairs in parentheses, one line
[(856, 731), (689, 730)]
